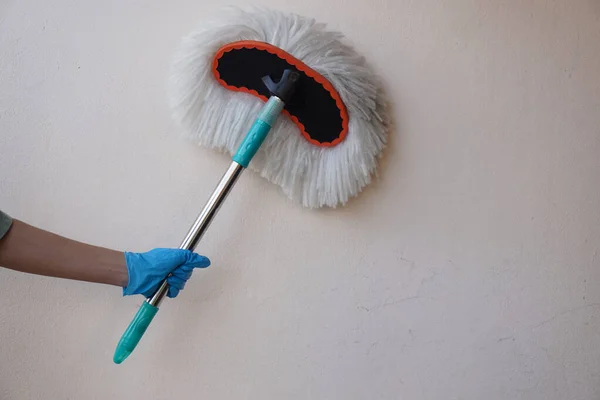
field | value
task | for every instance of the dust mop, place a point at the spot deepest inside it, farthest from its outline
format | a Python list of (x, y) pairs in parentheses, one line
[(230, 81)]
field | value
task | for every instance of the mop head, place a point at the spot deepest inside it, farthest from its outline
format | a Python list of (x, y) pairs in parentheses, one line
[(324, 150)]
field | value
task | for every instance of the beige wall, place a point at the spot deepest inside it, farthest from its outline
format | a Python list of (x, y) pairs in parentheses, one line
[(470, 270)]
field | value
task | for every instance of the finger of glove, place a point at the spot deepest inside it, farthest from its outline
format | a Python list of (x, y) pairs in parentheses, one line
[(173, 292), (170, 256), (182, 273), (176, 282), (197, 261)]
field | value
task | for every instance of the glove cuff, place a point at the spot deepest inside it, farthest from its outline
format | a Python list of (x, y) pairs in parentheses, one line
[(133, 280)]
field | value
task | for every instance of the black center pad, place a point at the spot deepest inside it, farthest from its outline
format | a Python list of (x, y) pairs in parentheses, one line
[(315, 106)]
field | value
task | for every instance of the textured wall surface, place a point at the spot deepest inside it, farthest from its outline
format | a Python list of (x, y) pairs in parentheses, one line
[(469, 270)]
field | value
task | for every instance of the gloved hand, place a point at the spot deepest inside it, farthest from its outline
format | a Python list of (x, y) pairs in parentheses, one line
[(148, 270)]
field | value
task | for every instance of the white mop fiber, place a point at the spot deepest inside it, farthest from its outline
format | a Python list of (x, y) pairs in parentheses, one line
[(216, 117)]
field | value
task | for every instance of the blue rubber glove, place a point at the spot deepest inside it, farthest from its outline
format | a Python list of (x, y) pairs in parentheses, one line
[(148, 270)]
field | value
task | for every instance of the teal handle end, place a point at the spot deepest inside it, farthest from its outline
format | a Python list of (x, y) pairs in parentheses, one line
[(251, 143), (134, 332), (259, 131)]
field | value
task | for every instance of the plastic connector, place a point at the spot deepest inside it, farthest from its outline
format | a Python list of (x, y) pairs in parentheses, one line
[(284, 89)]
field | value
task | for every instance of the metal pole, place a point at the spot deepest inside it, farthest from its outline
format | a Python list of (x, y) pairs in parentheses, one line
[(203, 221)]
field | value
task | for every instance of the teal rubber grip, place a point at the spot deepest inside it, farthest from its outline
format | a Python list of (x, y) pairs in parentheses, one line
[(134, 332), (258, 132), (252, 142)]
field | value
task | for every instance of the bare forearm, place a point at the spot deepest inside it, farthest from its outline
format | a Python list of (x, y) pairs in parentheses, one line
[(29, 249)]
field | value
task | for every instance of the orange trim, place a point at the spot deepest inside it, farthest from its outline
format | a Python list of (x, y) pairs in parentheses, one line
[(252, 44)]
